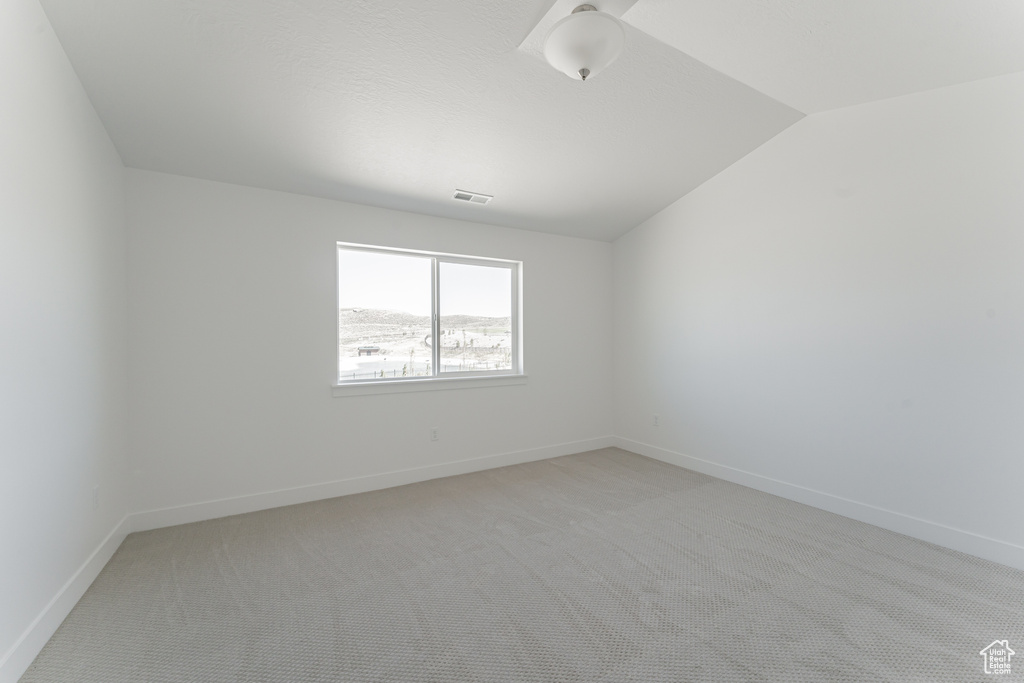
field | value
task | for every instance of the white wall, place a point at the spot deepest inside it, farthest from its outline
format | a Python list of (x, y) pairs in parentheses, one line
[(63, 334), (843, 311), (233, 348)]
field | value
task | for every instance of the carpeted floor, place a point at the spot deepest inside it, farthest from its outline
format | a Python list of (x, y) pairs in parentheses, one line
[(602, 566)]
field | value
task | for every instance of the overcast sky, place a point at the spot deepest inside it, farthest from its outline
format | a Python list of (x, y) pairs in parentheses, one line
[(402, 283)]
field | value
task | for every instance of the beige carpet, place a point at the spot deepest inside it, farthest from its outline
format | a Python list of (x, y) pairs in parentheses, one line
[(603, 566)]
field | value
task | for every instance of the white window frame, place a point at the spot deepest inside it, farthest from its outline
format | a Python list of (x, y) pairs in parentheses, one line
[(438, 380)]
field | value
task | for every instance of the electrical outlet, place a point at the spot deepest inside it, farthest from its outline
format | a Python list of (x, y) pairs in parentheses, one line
[(433, 434), (657, 420)]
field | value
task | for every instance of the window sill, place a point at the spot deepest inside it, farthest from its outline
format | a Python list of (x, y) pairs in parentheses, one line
[(401, 386)]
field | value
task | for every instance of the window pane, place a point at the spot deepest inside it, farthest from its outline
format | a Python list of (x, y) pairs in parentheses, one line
[(384, 315), (476, 318)]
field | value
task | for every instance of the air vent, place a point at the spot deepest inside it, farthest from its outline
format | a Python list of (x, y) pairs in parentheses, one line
[(471, 197)]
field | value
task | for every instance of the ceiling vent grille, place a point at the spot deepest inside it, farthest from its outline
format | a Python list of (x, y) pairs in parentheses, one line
[(471, 197)]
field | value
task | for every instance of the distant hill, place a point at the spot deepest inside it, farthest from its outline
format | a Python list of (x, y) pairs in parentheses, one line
[(383, 317), (379, 325), (377, 316)]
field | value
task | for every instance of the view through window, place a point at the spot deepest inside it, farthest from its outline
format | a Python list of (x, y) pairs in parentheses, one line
[(411, 315)]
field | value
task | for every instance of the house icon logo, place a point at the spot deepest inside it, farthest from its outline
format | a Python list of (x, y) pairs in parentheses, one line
[(997, 657)]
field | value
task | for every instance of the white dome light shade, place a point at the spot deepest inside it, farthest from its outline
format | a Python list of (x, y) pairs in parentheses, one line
[(584, 43)]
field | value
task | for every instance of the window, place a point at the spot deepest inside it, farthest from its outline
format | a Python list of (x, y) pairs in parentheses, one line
[(416, 316)]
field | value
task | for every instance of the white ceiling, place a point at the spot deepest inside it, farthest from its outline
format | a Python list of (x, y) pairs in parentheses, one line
[(399, 103), (825, 54)]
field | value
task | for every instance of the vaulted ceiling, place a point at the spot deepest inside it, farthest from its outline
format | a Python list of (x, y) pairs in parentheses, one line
[(399, 103)]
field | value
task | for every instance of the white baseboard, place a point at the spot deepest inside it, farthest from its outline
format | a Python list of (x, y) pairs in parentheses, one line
[(197, 512), (16, 660), (956, 539)]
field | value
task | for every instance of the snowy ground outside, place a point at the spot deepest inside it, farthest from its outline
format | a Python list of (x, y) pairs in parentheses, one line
[(376, 343)]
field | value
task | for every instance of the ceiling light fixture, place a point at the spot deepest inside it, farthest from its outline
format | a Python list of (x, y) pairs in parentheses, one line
[(582, 44)]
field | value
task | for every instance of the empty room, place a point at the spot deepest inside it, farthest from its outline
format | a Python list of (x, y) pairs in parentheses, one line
[(531, 341)]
